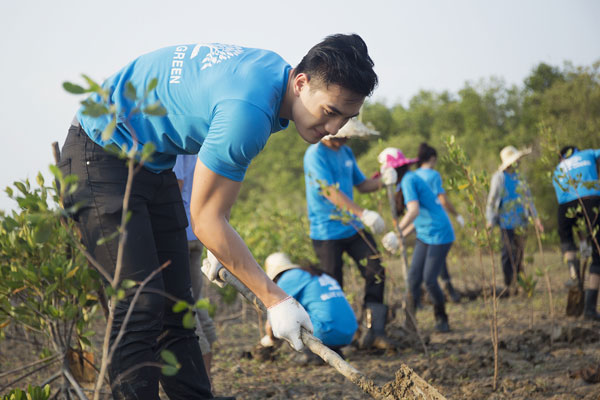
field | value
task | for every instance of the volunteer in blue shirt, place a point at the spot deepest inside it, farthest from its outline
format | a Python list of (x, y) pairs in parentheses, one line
[(510, 205), (336, 223), (331, 315), (434, 231), (222, 102), (427, 156), (576, 185)]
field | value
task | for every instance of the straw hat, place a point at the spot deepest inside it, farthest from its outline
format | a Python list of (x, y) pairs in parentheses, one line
[(392, 157), (353, 128), (509, 155), (277, 263)]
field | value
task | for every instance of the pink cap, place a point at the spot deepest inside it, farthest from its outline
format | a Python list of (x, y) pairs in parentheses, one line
[(392, 157)]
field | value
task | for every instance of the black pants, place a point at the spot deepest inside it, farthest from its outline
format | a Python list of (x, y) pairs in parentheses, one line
[(155, 235), (513, 247), (568, 220), (365, 255)]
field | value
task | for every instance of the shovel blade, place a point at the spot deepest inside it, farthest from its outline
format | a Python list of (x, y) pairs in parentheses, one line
[(575, 301)]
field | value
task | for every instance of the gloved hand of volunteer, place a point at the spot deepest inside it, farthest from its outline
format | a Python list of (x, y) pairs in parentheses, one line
[(390, 242), (287, 318), (585, 249), (210, 268), (373, 221), (388, 176), (460, 220)]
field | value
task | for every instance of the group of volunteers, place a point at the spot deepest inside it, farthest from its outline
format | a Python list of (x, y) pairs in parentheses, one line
[(222, 103)]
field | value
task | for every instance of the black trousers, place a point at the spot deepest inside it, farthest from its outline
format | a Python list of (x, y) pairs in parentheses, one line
[(155, 235), (365, 255), (513, 247), (569, 220)]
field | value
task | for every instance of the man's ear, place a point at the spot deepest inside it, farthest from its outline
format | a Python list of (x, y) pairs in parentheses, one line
[(301, 81)]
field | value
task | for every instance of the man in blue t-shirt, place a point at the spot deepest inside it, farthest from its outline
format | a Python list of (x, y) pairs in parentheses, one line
[(575, 181), (510, 205), (336, 223), (330, 313), (221, 102)]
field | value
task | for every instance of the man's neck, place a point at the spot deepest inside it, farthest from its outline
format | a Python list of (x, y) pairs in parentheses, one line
[(285, 111)]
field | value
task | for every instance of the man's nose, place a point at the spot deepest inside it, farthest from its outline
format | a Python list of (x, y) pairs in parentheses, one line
[(334, 125)]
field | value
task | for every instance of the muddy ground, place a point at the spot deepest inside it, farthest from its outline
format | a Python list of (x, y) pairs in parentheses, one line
[(539, 357)]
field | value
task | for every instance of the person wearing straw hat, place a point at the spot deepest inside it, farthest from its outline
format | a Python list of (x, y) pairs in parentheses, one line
[(510, 205), (435, 235), (332, 317), (337, 222), (575, 181)]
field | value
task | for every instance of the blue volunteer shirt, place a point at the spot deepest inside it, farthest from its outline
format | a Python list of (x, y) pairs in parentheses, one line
[(222, 102), (324, 167), (512, 213), (432, 224), (332, 317), (184, 171), (433, 180), (577, 176)]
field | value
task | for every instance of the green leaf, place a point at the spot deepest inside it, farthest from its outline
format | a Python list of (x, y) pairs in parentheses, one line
[(128, 283), (180, 306), (168, 357), (73, 88), (155, 109), (189, 322), (130, 92), (152, 85), (169, 370), (109, 130)]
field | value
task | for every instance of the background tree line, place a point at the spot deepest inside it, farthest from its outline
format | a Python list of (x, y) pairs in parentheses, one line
[(554, 104)]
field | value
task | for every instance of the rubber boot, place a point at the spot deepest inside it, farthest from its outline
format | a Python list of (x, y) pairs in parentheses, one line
[(574, 273), (441, 318), (449, 290), (373, 335), (589, 310), (410, 320)]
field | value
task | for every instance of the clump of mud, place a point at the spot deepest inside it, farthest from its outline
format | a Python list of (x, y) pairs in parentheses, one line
[(408, 385)]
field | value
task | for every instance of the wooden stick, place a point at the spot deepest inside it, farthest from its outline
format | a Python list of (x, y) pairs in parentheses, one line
[(417, 386)]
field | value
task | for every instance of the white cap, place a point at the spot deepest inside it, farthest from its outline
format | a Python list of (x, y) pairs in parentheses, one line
[(276, 263), (354, 128)]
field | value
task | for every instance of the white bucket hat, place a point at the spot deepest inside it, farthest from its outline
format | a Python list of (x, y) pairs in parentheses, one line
[(277, 263), (353, 128), (509, 155)]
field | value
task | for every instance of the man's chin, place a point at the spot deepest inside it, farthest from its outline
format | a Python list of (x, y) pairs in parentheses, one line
[(308, 138)]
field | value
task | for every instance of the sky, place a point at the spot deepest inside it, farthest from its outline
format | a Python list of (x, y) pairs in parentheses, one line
[(429, 44)]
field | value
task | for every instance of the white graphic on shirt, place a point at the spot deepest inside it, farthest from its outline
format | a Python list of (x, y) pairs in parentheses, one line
[(217, 53), (349, 163)]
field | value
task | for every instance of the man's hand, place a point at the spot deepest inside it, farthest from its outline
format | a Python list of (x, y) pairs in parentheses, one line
[(373, 221), (390, 242), (287, 318), (585, 249), (460, 220), (388, 176), (210, 268)]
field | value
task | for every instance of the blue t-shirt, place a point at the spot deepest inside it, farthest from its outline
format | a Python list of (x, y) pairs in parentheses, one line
[(332, 317), (432, 224), (432, 178), (512, 213), (184, 171), (222, 102), (324, 166), (577, 176)]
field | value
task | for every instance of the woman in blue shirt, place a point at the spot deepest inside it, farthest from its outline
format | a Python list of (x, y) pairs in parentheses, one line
[(435, 235)]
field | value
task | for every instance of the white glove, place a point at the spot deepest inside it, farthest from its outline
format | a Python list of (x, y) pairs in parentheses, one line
[(460, 220), (266, 341), (373, 220), (388, 176), (585, 249), (210, 268), (287, 318), (390, 242)]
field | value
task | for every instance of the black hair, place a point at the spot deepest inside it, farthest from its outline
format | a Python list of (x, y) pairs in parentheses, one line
[(566, 152), (401, 171), (341, 60), (426, 152)]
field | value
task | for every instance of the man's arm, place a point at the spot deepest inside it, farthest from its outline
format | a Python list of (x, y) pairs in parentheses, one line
[(212, 198), (340, 200), (370, 185)]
